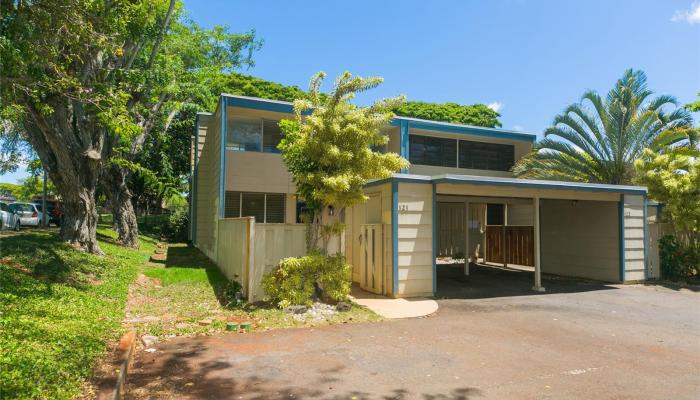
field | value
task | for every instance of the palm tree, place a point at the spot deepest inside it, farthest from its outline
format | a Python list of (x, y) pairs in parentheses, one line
[(597, 140)]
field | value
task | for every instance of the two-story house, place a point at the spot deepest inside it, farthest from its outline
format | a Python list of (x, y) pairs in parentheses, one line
[(458, 198)]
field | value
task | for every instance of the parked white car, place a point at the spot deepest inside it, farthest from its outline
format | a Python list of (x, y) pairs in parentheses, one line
[(28, 214), (8, 219)]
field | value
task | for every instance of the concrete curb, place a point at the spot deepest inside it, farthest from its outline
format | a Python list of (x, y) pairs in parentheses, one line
[(113, 388)]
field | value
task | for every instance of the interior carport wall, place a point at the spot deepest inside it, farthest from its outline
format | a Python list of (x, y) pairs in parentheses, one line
[(586, 230)]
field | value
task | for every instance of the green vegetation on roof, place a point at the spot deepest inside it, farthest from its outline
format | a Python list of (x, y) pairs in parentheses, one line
[(475, 114)]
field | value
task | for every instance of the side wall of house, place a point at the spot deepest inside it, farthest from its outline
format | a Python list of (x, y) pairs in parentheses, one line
[(207, 195), (634, 234), (580, 239), (415, 240)]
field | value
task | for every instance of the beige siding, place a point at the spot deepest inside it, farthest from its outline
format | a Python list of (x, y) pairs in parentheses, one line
[(415, 240), (394, 144), (580, 239), (634, 237), (248, 171), (520, 214), (208, 178)]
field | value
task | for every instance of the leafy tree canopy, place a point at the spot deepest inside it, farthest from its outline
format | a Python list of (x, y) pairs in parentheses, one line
[(672, 174), (475, 114), (329, 151), (598, 139)]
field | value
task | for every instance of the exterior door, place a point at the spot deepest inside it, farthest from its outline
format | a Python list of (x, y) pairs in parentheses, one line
[(371, 258)]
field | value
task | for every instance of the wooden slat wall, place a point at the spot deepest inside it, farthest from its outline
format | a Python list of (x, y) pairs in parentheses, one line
[(520, 245), (517, 248)]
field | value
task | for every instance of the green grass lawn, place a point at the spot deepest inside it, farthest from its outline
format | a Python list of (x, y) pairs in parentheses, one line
[(58, 310), (187, 288)]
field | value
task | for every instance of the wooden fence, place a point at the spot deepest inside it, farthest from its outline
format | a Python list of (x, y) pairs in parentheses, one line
[(245, 250), (512, 244)]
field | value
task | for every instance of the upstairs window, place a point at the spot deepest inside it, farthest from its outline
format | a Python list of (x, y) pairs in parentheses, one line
[(487, 156), (253, 134), (272, 135), (244, 134), (265, 207), (428, 150)]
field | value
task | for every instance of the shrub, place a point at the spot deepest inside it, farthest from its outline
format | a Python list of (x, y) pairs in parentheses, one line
[(297, 280), (174, 227), (678, 261)]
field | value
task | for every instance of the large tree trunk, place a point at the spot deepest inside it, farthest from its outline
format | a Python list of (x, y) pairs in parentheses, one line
[(119, 195), (70, 146), (80, 220)]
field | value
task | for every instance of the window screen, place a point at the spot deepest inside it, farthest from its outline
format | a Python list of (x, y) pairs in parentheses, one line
[(271, 136), (275, 208), (244, 134), (265, 207), (426, 150), (232, 206), (253, 205), (489, 156)]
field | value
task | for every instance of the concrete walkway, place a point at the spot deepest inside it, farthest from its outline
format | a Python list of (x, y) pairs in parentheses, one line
[(394, 308)]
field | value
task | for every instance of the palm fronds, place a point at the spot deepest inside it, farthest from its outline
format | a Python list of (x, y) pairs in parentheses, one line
[(597, 139)]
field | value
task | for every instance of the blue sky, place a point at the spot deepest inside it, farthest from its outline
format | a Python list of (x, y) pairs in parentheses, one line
[(530, 57)]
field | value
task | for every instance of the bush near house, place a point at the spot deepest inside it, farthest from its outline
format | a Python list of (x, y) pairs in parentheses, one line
[(298, 279), (58, 310), (678, 262)]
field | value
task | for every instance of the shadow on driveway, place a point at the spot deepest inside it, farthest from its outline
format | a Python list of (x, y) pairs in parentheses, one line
[(193, 371), (486, 281)]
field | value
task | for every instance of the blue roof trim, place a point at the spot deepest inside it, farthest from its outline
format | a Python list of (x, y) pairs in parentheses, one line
[(464, 129), (259, 104), (516, 182), (222, 161), (287, 107), (621, 223)]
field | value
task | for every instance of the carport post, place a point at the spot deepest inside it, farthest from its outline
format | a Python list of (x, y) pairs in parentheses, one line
[(505, 231), (467, 254), (536, 225)]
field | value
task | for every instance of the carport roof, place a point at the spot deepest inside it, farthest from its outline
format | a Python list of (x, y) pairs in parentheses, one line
[(514, 182)]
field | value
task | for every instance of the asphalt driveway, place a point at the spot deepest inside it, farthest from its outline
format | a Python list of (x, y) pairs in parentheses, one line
[(620, 342)]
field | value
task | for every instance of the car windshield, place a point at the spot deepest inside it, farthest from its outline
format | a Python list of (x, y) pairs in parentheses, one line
[(22, 207), (49, 206)]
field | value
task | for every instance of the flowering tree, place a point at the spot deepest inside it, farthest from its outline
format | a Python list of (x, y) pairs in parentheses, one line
[(670, 168), (328, 149)]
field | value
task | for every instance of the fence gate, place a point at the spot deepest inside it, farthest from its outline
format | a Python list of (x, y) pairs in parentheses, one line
[(371, 258)]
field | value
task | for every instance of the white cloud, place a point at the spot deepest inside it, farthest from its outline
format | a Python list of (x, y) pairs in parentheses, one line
[(518, 128), (495, 106), (691, 16)]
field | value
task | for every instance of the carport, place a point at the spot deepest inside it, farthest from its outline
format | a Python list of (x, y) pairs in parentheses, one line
[(590, 231)]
